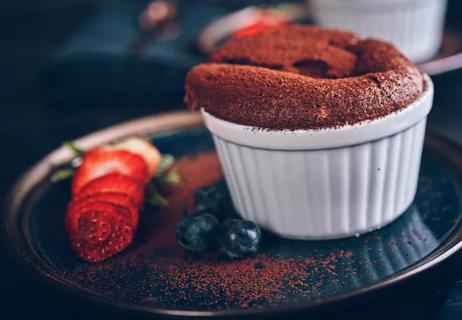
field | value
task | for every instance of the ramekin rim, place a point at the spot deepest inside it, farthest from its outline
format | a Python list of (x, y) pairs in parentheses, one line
[(384, 126)]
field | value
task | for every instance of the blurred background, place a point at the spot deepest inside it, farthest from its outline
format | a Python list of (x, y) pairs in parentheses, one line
[(70, 67)]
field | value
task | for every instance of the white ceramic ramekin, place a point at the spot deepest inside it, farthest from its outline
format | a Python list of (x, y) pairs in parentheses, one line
[(328, 183), (414, 26)]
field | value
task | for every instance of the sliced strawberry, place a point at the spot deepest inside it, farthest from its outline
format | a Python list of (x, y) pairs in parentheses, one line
[(98, 230), (122, 211), (115, 183), (121, 200), (257, 27), (99, 162), (143, 148)]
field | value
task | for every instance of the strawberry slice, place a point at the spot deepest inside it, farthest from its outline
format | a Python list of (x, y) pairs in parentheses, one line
[(115, 183), (99, 162), (257, 27), (98, 230), (121, 200), (143, 148)]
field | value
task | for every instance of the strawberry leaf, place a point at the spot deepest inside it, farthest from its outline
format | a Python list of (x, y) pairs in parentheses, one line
[(166, 163), (61, 175), (67, 170), (155, 198), (78, 152), (167, 174), (169, 177)]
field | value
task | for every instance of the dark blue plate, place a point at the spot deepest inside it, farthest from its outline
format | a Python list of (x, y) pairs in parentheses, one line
[(155, 276)]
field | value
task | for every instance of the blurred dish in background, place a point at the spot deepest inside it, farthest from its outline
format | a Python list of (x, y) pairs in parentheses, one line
[(247, 21), (414, 26), (255, 18)]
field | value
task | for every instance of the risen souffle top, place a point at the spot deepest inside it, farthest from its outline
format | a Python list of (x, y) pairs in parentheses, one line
[(303, 77)]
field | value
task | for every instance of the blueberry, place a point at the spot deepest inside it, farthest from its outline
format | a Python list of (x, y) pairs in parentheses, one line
[(207, 199), (238, 238), (197, 233)]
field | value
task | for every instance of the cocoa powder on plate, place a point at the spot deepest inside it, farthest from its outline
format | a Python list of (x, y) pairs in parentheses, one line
[(165, 275)]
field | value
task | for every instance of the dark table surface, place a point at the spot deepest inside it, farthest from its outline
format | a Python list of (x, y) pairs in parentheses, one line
[(31, 126)]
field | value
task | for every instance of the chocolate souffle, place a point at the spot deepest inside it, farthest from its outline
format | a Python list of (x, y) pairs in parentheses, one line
[(303, 77)]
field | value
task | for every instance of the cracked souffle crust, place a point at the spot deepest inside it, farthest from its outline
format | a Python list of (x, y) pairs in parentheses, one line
[(303, 77)]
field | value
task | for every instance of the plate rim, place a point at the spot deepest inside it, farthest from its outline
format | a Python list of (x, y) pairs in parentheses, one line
[(22, 253)]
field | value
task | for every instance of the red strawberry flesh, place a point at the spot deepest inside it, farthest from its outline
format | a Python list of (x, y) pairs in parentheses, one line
[(121, 200), (98, 230), (99, 162), (94, 228), (115, 183)]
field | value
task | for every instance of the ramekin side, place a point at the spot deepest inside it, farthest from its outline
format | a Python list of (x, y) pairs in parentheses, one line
[(415, 27), (316, 194), (318, 191)]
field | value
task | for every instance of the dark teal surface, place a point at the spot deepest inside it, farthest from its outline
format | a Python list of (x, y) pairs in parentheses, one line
[(371, 258)]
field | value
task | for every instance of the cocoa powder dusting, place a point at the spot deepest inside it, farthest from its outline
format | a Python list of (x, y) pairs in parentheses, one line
[(159, 229), (154, 272), (250, 282), (168, 276)]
